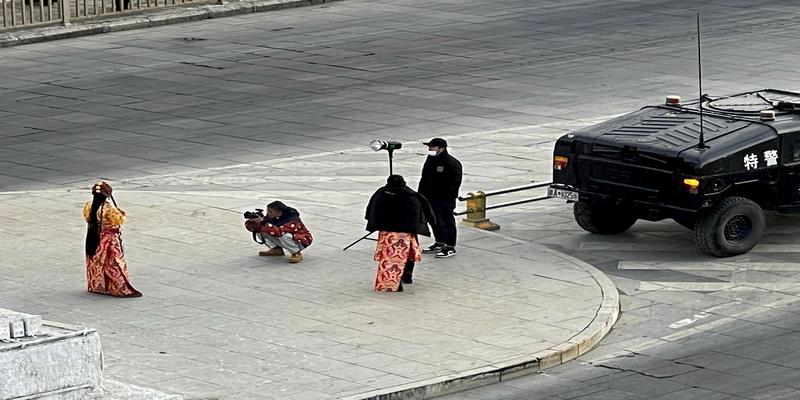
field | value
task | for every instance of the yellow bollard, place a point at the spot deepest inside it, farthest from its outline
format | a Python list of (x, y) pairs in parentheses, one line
[(476, 213)]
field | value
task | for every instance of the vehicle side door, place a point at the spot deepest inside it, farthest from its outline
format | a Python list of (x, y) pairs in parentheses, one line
[(790, 169)]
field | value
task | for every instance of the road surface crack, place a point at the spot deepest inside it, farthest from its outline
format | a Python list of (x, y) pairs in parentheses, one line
[(638, 372)]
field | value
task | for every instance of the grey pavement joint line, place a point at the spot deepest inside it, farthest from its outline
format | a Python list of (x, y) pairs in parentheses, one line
[(524, 360), (168, 16), (580, 122), (604, 320), (453, 50), (697, 329)]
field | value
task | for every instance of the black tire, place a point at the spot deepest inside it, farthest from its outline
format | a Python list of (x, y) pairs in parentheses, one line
[(602, 219), (733, 226)]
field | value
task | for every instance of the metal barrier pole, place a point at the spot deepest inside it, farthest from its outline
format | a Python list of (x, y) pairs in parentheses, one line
[(64, 10), (476, 212), (5, 17)]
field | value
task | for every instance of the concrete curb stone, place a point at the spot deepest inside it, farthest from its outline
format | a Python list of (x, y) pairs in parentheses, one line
[(148, 19), (604, 320)]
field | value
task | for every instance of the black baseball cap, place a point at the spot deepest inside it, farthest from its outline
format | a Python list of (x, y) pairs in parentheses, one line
[(436, 142)]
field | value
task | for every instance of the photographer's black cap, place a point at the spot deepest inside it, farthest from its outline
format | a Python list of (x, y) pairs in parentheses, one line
[(436, 142)]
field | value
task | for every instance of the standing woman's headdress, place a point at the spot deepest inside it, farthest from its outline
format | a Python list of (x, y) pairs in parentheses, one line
[(102, 187), (100, 191)]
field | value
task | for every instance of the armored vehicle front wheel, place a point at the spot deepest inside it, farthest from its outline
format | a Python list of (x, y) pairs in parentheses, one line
[(602, 219), (733, 226)]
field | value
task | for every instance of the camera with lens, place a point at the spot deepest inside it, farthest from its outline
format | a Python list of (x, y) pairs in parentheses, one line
[(258, 213)]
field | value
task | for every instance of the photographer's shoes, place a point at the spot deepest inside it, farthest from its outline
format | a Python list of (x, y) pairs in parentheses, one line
[(295, 258), (277, 251)]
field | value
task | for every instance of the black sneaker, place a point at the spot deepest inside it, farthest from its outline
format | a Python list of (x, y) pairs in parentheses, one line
[(446, 252), (435, 248)]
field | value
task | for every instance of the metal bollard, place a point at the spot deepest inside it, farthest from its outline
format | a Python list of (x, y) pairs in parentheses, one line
[(476, 212)]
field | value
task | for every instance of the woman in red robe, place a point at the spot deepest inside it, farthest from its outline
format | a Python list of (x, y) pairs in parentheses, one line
[(106, 271), (399, 214)]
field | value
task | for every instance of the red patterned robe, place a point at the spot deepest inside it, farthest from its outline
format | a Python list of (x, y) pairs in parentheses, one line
[(106, 271), (294, 226), (392, 252)]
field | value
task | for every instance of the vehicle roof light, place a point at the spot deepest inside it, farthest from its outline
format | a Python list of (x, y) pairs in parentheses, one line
[(673, 100), (767, 115)]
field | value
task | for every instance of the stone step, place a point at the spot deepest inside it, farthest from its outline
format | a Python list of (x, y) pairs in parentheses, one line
[(41, 360), (62, 362)]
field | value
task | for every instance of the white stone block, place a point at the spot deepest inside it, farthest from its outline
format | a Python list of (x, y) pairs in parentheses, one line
[(5, 328), (16, 327), (33, 324)]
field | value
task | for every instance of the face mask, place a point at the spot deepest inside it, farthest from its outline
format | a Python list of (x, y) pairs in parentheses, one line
[(432, 153)]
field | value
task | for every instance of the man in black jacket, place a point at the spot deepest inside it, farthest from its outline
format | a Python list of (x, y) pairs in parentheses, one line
[(440, 182)]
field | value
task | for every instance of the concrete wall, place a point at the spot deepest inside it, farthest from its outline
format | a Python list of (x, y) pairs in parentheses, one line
[(63, 363)]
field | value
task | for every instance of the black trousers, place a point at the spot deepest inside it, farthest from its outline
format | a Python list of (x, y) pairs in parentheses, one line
[(445, 229), (408, 272)]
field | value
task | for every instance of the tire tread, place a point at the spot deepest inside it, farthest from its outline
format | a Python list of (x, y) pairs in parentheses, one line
[(706, 226)]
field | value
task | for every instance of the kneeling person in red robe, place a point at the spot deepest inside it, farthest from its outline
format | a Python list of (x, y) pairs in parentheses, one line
[(281, 229)]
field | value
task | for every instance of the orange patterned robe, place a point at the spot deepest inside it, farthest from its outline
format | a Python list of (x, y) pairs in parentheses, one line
[(106, 271), (392, 252)]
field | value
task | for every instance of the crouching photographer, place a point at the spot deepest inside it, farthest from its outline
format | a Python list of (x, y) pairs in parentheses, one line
[(281, 229)]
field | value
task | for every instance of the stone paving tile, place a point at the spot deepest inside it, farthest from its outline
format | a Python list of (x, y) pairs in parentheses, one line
[(483, 79)]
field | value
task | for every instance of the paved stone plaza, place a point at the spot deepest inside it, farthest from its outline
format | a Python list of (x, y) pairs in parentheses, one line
[(195, 123), (217, 321)]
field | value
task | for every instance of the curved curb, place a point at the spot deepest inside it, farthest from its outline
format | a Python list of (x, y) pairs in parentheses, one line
[(145, 19), (605, 318)]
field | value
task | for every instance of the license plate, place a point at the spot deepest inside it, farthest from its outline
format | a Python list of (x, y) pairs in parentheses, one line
[(562, 194)]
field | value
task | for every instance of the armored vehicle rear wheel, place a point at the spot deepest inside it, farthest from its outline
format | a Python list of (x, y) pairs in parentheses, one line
[(731, 227), (602, 219)]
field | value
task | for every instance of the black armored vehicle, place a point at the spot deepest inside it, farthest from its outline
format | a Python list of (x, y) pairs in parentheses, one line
[(712, 165)]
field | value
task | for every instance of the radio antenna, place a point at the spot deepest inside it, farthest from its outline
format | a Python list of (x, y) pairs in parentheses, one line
[(702, 143)]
